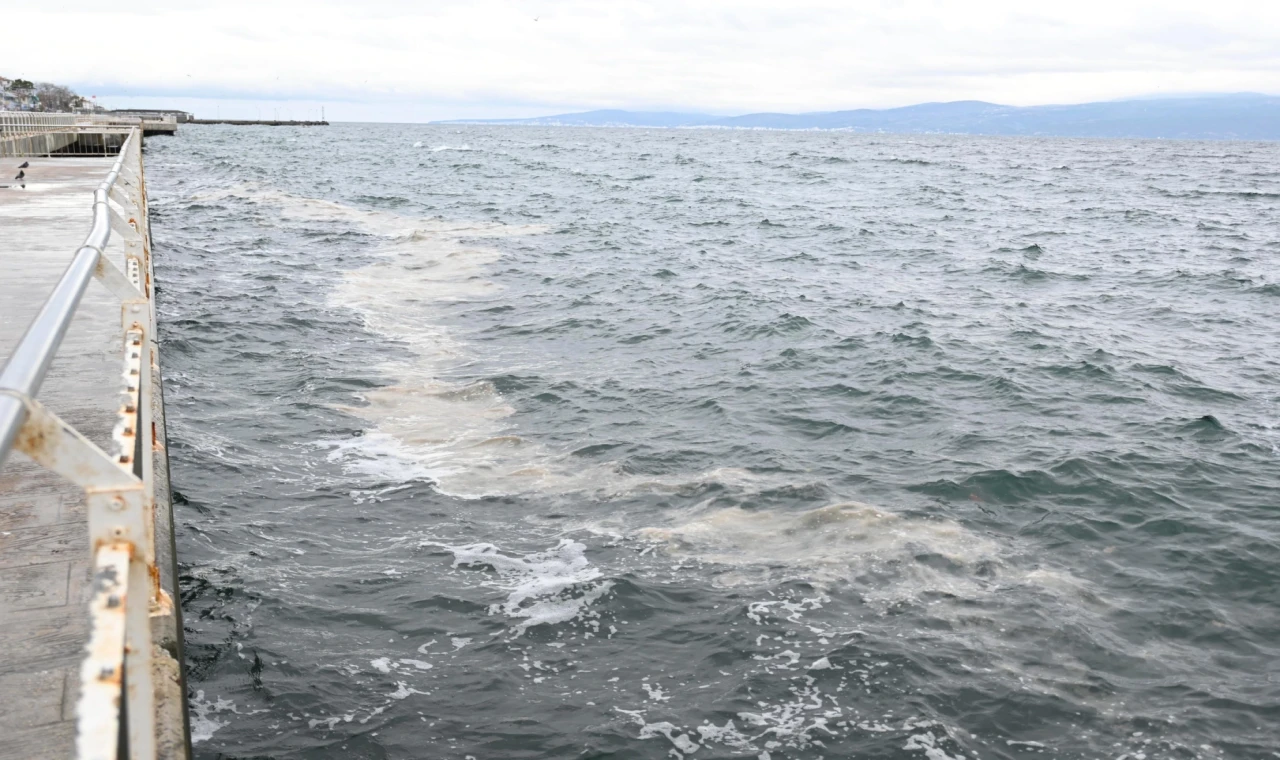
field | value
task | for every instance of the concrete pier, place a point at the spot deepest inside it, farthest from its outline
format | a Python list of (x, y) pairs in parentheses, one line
[(150, 128), (72, 135), (45, 552)]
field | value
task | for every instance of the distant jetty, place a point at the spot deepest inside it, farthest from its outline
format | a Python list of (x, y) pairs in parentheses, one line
[(264, 123)]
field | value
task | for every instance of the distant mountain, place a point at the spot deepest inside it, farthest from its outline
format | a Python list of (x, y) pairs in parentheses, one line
[(603, 119), (1206, 117)]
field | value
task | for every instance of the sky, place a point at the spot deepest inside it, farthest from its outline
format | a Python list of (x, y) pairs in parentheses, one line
[(395, 60)]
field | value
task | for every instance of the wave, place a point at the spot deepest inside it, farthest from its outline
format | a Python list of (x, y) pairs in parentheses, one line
[(1247, 194), (1024, 273), (783, 324), (544, 588), (1033, 251)]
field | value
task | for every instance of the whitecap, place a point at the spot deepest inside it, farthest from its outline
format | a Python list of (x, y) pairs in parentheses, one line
[(544, 588), (202, 714)]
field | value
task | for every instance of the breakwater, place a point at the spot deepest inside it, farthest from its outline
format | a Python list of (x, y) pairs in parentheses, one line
[(260, 122)]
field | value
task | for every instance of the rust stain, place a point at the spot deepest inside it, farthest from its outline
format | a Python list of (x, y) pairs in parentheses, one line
[(38, 438), (111, 675)]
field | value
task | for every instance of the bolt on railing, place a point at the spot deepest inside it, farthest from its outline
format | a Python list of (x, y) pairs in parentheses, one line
[(116, 678)]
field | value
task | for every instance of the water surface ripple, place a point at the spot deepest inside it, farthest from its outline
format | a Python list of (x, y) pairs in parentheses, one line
[(531, 443)]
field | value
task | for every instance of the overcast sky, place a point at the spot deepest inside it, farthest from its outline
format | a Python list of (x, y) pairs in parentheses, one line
[(436, 59)]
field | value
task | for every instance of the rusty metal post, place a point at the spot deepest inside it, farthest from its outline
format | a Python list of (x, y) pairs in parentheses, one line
[(102, 672)]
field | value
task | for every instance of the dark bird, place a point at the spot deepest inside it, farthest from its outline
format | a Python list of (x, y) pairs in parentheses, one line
[(24, 164), (21, 174)]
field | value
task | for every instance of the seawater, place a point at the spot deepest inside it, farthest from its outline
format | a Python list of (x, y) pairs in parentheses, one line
[(508, 442)]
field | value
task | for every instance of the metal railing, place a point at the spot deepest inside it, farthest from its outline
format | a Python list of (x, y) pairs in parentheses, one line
[(116, 715), (24, 133), (23, 123), (18, 123)]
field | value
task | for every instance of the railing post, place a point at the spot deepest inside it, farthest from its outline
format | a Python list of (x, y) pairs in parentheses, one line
[(134, 436)]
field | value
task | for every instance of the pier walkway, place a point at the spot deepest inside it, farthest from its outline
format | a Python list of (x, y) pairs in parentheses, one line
[(70, 597), (44, 558)]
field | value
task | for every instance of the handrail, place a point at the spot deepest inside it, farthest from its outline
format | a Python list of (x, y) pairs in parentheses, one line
[(26, 367), (119, 691)]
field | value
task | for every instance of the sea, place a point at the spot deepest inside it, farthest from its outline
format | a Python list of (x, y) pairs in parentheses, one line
[(515, 442)]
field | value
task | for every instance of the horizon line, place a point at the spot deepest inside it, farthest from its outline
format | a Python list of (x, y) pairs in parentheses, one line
[(566, 109)]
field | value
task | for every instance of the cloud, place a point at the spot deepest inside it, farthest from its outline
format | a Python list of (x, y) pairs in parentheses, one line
[(487, 57)]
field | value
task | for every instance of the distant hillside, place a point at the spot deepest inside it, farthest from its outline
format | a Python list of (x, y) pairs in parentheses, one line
[(1210, 117), (603, 119)]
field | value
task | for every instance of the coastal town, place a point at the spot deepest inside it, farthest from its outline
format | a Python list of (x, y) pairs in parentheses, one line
[(25, 96), (20, 94)]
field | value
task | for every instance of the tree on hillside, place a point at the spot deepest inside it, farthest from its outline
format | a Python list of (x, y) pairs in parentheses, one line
[(55, 97), (21, 84)]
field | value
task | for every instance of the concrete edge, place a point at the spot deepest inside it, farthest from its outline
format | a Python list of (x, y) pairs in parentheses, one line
[(173, 716)]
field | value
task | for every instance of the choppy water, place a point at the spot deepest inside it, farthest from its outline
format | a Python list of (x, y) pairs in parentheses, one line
[(527, 443)]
